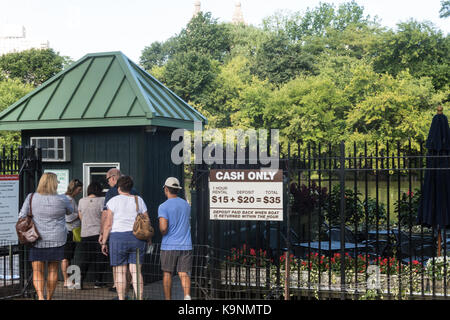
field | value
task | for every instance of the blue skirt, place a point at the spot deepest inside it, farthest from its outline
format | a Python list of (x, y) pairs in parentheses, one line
[(123, 248), (46, 254)]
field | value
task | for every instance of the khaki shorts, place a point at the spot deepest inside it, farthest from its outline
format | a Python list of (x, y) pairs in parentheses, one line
[(181, 259)]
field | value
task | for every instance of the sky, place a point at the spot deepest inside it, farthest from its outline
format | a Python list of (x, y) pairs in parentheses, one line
[(76, 28)]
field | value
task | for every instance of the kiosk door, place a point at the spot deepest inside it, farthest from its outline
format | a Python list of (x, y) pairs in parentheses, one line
[(97, 172)]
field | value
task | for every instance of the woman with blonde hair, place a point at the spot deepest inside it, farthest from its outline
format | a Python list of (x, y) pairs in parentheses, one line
[(49, 210), (73, 221)]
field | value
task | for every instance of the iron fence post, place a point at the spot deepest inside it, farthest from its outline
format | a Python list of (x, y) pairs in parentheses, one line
[(288, 227), (342, 215), (138, 276)]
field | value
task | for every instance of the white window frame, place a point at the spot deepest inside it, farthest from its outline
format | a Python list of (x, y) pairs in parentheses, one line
[(66, 148), (87, 172)]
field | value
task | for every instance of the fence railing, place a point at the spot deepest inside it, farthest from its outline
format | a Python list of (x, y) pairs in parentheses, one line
[(349, 231), (90, 276), (350, 224)]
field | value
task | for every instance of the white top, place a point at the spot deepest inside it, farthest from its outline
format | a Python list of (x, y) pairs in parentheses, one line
[(124, 212)]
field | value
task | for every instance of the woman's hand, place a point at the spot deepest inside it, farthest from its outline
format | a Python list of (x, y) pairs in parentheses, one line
[(105, 249)]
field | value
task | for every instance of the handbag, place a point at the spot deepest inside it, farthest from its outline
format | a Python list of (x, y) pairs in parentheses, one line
[(26, 229), (76, 234), (142, 228)]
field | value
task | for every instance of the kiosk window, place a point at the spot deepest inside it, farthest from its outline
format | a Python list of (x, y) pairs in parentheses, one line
[(54, 149), (97, 172)]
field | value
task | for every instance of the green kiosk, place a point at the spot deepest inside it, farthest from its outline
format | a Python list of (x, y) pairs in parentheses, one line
[(101, 112)]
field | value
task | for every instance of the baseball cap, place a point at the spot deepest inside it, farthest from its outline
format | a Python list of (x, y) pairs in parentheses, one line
[(172, 183)]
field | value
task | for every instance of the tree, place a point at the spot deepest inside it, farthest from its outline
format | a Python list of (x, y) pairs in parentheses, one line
[(158, 53), (34, 66), (279, 60), (416, 46), (389, 108), (307, 108), (204, 35), (10, 92), (445, 9), (190, 75), (317, 22), (245, 40)]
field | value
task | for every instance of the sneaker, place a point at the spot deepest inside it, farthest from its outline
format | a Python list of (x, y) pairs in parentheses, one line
[(188, 297), (99, 284)]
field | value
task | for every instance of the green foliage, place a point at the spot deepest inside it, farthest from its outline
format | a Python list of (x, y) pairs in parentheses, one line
[(10, 92), (388, 109), (417, 47), (278, 60), (203, 34), (406, 208), (190, 75), (356, 211), (325, 75), (445, 9), (317, 22), (156, 54), (309, 105), (33, 66)]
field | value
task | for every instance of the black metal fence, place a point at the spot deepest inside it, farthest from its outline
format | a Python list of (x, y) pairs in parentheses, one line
[(349, 232), (349, 229), (26, 163), (91, 278)]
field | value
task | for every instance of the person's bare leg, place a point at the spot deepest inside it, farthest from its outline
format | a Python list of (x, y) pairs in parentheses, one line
[(38, 278), (167, 285), (64, 266), (185, 283), (120, 280), (129, 280), (134, 272), (52, 278)]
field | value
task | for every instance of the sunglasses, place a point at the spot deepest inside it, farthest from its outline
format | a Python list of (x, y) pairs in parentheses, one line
[(107, 179)]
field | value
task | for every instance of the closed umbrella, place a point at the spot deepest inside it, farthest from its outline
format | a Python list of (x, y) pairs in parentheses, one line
[(434, 208)]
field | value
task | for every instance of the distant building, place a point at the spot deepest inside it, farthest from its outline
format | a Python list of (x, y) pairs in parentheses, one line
[(238, 16), (13, 39), (196, 8)]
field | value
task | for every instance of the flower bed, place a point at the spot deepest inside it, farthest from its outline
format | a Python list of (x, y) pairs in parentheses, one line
[(362, 273)]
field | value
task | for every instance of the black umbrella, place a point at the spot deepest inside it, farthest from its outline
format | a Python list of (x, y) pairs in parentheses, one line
[(434, 208)]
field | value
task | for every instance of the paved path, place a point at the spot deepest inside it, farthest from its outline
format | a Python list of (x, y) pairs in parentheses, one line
[(152, 291)]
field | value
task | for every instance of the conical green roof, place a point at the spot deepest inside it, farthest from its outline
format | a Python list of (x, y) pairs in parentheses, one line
[(100, 90)]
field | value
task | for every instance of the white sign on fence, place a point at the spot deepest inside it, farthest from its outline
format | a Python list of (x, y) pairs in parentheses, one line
[(246, 194), (9, 207)]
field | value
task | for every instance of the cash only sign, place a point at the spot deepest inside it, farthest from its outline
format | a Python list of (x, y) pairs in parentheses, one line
[(246, 194)]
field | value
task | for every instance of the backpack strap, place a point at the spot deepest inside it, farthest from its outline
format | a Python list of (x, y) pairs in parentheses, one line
[(30, 212), (137, 204)]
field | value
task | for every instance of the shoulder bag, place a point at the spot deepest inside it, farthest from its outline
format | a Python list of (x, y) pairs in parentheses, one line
[(26, 229), (142, 228)]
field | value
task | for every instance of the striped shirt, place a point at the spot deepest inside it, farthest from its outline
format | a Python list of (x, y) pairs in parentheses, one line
[(49, 216)]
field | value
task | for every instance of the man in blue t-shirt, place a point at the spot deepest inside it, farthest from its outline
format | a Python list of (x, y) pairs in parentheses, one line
[(176, 246)]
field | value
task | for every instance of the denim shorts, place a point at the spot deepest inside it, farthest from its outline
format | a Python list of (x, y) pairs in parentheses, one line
[(123, 247)]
